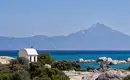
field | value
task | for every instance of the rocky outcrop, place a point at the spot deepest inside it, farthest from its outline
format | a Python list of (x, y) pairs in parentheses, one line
[(81, 60), (102, 59), (114, 62), (105, 60), (47, 66), (112, 74), (128, 59), (109, 59), (5, 59), (118, 62)]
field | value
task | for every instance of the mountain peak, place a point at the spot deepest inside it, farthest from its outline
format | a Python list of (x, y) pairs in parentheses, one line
[(95, 28), (99, 27)]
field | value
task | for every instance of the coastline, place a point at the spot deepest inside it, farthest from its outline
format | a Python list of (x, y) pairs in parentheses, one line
[(84, 75), (5, 59), (78, 75)]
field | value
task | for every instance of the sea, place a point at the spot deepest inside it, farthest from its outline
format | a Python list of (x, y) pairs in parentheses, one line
[(76, 54)]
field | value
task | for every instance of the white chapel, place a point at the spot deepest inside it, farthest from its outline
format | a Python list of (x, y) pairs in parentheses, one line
[(28, 53)]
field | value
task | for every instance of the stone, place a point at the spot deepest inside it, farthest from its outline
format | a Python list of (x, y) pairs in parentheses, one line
[(5, 59), (123, 61), (109, 59), (110, 75), (114, 62), (81, 60), (102, 59), (47, 66), (128, 59)]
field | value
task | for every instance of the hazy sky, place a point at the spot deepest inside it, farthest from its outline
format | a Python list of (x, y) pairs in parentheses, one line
[(60, 17)]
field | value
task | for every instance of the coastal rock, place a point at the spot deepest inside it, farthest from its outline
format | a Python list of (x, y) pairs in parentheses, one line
[(81, 60), (109, 59), (111, 75), (47, 66), (102, 59), (114, 62), (88, 61), (128, 59), (5, 59), (90, 76), (123, 61)]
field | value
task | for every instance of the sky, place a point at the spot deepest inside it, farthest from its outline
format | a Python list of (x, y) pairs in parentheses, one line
[(23, 18)]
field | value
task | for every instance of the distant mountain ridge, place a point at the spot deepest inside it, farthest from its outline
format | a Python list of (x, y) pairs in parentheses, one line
[(97, 37)]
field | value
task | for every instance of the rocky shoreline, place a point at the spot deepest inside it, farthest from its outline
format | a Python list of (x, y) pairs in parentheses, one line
[(106, 60), (116, 74), (5, 59)]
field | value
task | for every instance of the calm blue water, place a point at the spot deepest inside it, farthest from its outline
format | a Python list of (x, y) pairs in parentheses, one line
[(75, 55)]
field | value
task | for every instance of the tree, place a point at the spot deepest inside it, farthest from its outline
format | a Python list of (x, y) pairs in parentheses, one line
[(45, 59), (35, 69), (66, 65)]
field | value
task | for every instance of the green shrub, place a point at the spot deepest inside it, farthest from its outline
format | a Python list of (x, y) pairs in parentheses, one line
[(6, 77), (16, 67), (66, 65), (59, 77), (42, 78), (39, 72), (45, 59), (35, 71), (21, 75)]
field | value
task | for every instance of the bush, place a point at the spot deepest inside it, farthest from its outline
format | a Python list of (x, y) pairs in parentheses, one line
[(6, 77), (16, 67), (21, 75), (14, 61), (23, 60), (42, 78), (66, 65), (90, 68), (127, 77), (45, 59), (4, 68), (59, 77), (39, 72), (35, 69)]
